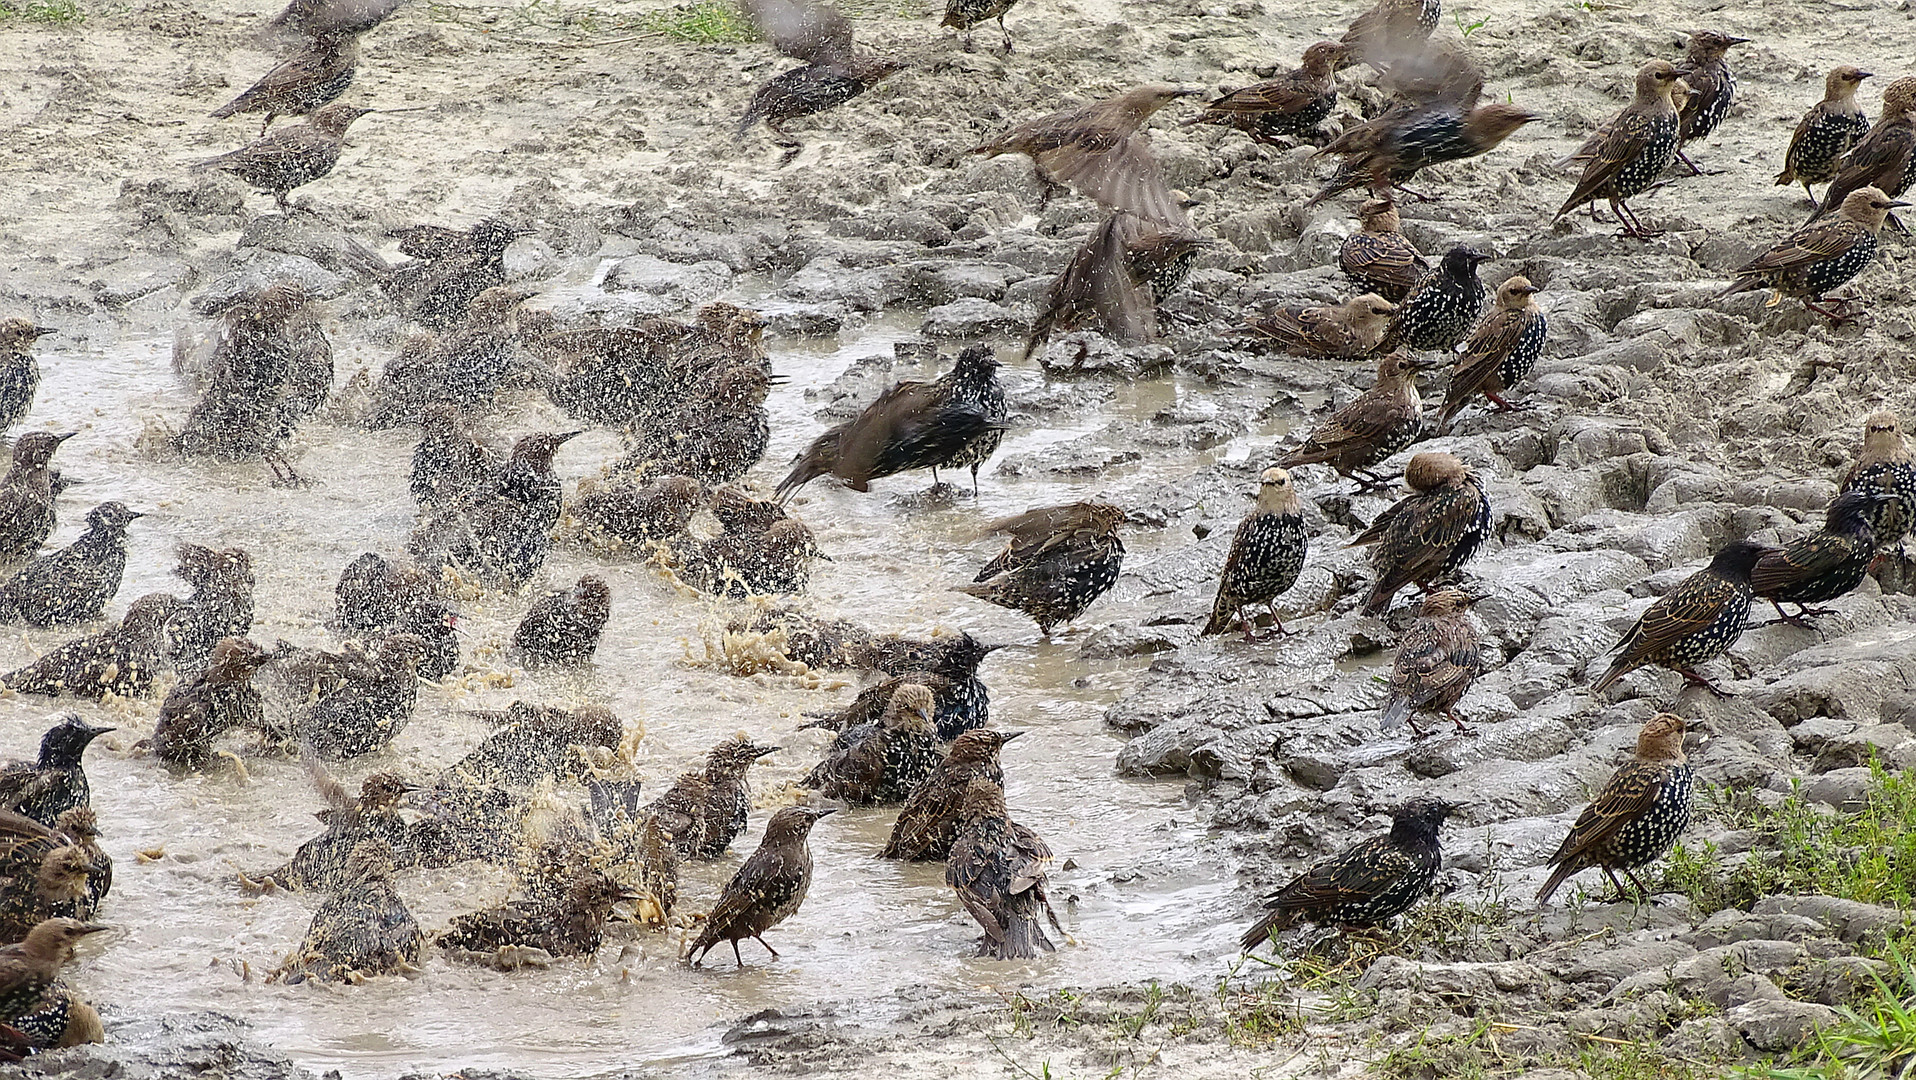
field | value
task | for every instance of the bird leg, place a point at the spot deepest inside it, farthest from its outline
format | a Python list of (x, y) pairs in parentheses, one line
[(1816, 205), (1250, 630), (1632, 225), (768, 948), (279, 200), (1694, 679), (783, 138), (1502, 405), (283, 474), (1841, 315), (1462, 728), (1418, 195), (974, 479), (1801, 618), (1642, 892), (1006, 32), (1691, 165), (1370, 481), (735, 954), (1271, 606)]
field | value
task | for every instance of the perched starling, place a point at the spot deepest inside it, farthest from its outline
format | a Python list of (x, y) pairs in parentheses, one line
[(726, 768), (1635, 149), (1348, 331), (28, 968), (835, 70), (1116, 279), (502, 532), (1059, 561), (1425, 537), (221, 698), (1820, 256), (716, 434), (762, 550), (1827, 132), (767, 890), (302, 82), (74, 583), (1366, 884), (627, 512), (291, 157), (221, 605), (1098, 151), (125, 660), (1267, 554), (562, 628), (882, 763), (55, 782), (962, 15), (1373, 426), (373, 592), (1501, 351), (1886, 465), (1712, 88), (365, 929), (1693, 623), (562, 910), (450, 268), (1289, 106), (320, 864), (1825, 564), (450, 461), (1885, 157), (462, 367), (372, 707), (19, 371), (1442, 307), (934, 812), (1378, 257), (531, 743), (1436, 663), (998, 869), (44, 874), (27, 508), (1391, 29), (1642, 809)]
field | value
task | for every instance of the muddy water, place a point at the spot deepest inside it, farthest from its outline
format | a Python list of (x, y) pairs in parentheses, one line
[(1143, 896)]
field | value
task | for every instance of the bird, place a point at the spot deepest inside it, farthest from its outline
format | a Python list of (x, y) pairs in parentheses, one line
[(1712, 88), (301, 83), (767, 890), (562, 628), (28, 512), (373, 591), (30, 966), (1346, 331), (1366, 884), (436, 623), (962, 15), (531, 743), (1115, 280), (762, 550), (835, 70), (1636, 816), (1098, 151), (726, 769), (883, 762), (19, 370), (221, 698), (54, 782), (271, 368), (372, 707), (1436, 662), (1289, 106), (74, 583), (450, 268), (125, 660), (1886, 465), (316, 17), (1501, 351), (363, 929), (61, 1021), (998, 868), (1634, 149), (620, 376), (1378, 257), (291, 157), (450, 461), (1885, 157), (502, 532), (1371, 427), (1425, 537), (680, 813), (1827, 132), (462, 367), (1442, 306), (1820, 256), (934, 812), (320, 864), (221, 605), (947, 666), (1391, 29), (562, 909), (1059, 560), (1267, 553), (1825, 564), (45, 873), (1693, 623), (715, 434), (624, 511)]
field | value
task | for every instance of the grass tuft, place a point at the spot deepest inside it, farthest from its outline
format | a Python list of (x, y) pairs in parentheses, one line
[(703, 23), (1872, 1038), (49, 12)]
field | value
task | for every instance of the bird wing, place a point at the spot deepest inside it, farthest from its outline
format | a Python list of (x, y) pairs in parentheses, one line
[(1284, 94), (872, 434), (1036, 533), (1811, 244), (288, 145), (1361, 423), (971, 873), (812, 32), (1433, 659), (741, 894), (1351, 875), (1629, 792), (1117, 171), (1804, 560), (1396, 264), (1031, 859), (1489, 344), (1620, 145), (1315, 329), (1430, 73), (1690, 607)]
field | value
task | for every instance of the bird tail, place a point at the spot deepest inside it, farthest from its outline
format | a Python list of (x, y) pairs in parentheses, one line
[(1024, 939), (229, 109), (1740, 285), (1221, 611), (1561, 874), (1396, 711), (1274, 920)]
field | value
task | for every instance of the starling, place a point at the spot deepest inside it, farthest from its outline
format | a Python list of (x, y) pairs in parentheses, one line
[(834, 72), (1825, 564), (1289, 106), (1820, 256), (221, 605), (934, 812), (315, 18), (27, 514), (1366, 884), (1442, 307), (19, 371), (365, 929), (624, 511), (762, 550), (320, 864), (62, 1021), (44, 874), (372, 707), (125, 660), (373, 592), (303, 82), (1391, 29), (680, 812), (450, 268), (294, 156), (1059, 561), (1115, 280), (1501, 351), (436, 623), (948, 667), (1373, 426), (642, 860), (998, 869), (503, 532), (726, 767), (1693, 623), (28, 968), (1635, 149), (623, 375), (567, 919), (462, 367), (450, 461), (767, 890), (531, 743), (1886, 465), (73, 584), (219, 699), (272, 368), (562, 628), (1712, 88), (1098, 151), (1436, 663), (882, 763), (962, 15), (1885, 157), (1827, 132), (56, 782), (1378, 257), (1349, 331), (1429, 534), (1642, 809), (81, 827), (1267, 554), (715, 435)]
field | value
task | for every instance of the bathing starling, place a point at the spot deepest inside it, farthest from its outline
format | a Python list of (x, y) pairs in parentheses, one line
[(1442, 307), (1825, 564), (1693, 623), (1289, 106), (1348, 331), (1886, 465), (436, 623), (125, 660), (1636, 817), (834, 72), (562, 628), (320, 864), (1115, 280), (1820, 256), (62, 1021), (716, 434), (973, 382), (1639, 144), (19, 371), (365, 929), (998, 869), (1378, 257), (767, 890), (946, 666), (1425, 537), (621, 375), (1885, 157), (221, 605), (680, 812), (1712, 88), (883, 763), (56, 782), (272, 367), (44, 874), (562, 909), (1267, 554), (27, 506), (219, 699), (1436, 663), (373, 591), (450, 461), (81, 827), (726, 769), (503, 532), (291, 157), (531, 743), (642, 860), (1501, 351), (450, 268), (74, 583), (755, 556), (1366, 884), (1373, 426), (1391, 29), (28, 968), (1059, 561), (1827, 132), (623, 511), (462, 367), (373, 706), (934, 811), (302, 82), (1098, 151)]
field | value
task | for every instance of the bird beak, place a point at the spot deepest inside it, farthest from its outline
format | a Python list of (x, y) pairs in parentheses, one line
[(134, 514), (1010, 735), (1861, 75), (1189, 91), (1422, 365), (95, 731), (1737, 40), (42, 331), (826, 812), (1894, 205), (92, 928), (567, 436), (759, 752), (822, 555), (64, 436)]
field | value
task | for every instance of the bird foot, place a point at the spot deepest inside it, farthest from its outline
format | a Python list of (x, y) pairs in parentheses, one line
[(1628, 233)]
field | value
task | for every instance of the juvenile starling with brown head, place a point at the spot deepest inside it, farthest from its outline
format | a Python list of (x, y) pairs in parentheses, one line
[(44, 874), (726, 769), (27, 502), (124, 660), (882, 763), (1442, 307), (221, 605), (1267, 554), (1886, 465), (1712, 88), (563, 903), (1693, 623), (1425, 537), (19, 371), (1885, 158), (28, 968), (1347, 331), (1289, 106), (72, 584), (1824, 565), (1501, 351), (835, 70), (1378, 257), (1827, 132), (294, 156), (365, 929), (54, 782), (1059, 561), (948, 667), (221, 698), (767, 890), (1373, 426), (1639, 144), (562, 628), (1098, 151), (1821, 256), (998, 868), (320, 864), (1636, 816), (1436, 663), (1369, 883), (934, 811), (1116, 279), (302, 82)]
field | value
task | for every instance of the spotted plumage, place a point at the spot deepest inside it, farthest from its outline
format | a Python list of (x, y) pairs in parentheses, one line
[(29, 967), (56, 781), (1427, 536), (1289, 106), (962, 15), (933, 813), (74, 583), (1825, 564), (767, 890), (1827, 132), (1886, 465), (1378, 257), (1367, 884), (1634, 148), (125, 660), (950, 672), (727, 766), (1376, 424), (1436, 664), (1636, 817), (1440, 310), (364, 929), (563, 628), (28, 500), (19, 371), (882, 762), (1391, 29), (1820, 256), (1712, 86), (1267, 554), (1059, 561), (1388, 151), (1693, 623), (44, 873), (1501, 351), (1349, 330), (1885, 157)]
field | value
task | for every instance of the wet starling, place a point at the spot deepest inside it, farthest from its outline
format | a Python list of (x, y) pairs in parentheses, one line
[(1885, 157), (627, 512), (767, 890), (1827, 132), (272, 368), (221, 605), (303, 82), (365, 929), (503, 532), (1098, 151), (74, 583), (948, 667), (562, 910), (56, 782), (622, 375), (1059, 561), (1436, 663), (218, 700), (962, 15), (27, 514), (715, 435), (43, 875), (1712, 88), (642, 860), (125, 660), (1267, 554), (1501, 351), (1346, 332), (436, 623), (1637, 146), (28, 968), (1642, 809), (1425, 537), (450, 268), (1115, 280), (81, 827), (1378, 257), (1373, 426), (531, 743), (462, 367), (1820, 256), (291, 157), (1693, 623), (19, 371), (998, 869), (1442, 307), (1825, 564), (680, 812), (726, 768), (373, 591), (835, 70), (1366, 884), (1391, 29), (562, 628), (1289, 106), (450, 461), (320, 864), (934, 812), (882, 763), (762, 550), (1886, 465), (372, 707)]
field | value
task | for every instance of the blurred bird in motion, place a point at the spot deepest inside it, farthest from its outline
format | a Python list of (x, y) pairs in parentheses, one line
[(834, 72)]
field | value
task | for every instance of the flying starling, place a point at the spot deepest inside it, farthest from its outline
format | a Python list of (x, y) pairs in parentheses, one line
[(372, 707), (1391, 29), (1059, 561), (1378, 257), (502, 532), (934, 812), (1267, 554), (55, 782), (1637, 146), (221, 698), (1366, 884), (44, 874), (1442, 307), (1885, 157), (884, 762), (1098, 151), (562, 628), (291, 157), (450, 268), (450, 461), (302, 82), (73, 584), (1827, 132), (834, 72), (767, 890), (1373, 426), (1642, 809), (19, 371), (1886, 465), (124, 660), (1825, 564), (28, 968), (27, 504), (1436, 663), (221, 605), (1289, 106), (1116, 279), (533, 743), (1501, 351), (998, 869), (1820, 256), (365, 929), (624, 511), (1347, 331), (1712, 88), (962, 15), (1425, 537), (1693, 623)]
